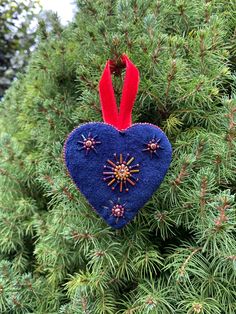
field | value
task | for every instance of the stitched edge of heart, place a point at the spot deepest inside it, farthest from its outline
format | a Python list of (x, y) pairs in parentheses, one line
[(69, 175)]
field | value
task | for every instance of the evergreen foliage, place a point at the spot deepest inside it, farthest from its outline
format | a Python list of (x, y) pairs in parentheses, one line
[(17, 37), (178, 255)]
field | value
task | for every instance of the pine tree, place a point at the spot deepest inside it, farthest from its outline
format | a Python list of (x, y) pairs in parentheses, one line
[(178, 254), (17, 37)]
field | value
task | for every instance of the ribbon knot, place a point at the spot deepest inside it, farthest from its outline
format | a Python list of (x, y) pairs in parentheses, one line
[(121, 119)]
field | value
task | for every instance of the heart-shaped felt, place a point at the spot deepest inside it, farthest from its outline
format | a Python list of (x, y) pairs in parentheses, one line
[(117, 171)]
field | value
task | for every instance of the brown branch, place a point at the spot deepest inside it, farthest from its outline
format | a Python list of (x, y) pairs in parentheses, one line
[(96, 107), (88, 82), (16, 302), (67, 193), (99, 253), (207, 13), (84, 303), (64, 189), (184, 16), (156, 52), (150, 301), (128, 40), (218, 160), (170, 77), (231, 131), (200, 149), (77, 236), (197, 308), (203, 194), (184, 265), (202, 47), (8, 175), (183, 173), (223, 216)]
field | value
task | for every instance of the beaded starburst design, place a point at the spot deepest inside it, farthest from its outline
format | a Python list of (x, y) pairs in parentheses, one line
[(152, 146), (117, 209), (88, 143), (120, 173)]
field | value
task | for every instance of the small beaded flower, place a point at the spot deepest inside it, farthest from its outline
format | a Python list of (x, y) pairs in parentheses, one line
[(120, 172), (117, 209), (88, 143), (152, 146)]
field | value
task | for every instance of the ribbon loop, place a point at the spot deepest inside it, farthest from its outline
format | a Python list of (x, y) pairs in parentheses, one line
[(121, 119)]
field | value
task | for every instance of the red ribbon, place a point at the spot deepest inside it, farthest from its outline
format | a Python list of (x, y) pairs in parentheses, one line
[(122, 119)]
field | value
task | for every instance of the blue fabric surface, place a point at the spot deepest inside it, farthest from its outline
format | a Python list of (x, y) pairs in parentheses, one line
[(86, 170)]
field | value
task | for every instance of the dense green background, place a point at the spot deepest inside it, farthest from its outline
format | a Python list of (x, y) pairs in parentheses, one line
[(178, 255)]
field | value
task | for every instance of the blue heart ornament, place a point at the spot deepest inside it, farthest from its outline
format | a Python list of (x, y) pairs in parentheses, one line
[(117, 171)]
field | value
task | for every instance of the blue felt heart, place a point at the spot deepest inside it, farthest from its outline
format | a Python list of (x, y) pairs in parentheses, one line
[(117, 171)]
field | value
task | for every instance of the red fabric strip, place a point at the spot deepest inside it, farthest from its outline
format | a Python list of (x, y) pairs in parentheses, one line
[(107, 97), (129, 92), (122, 119)]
